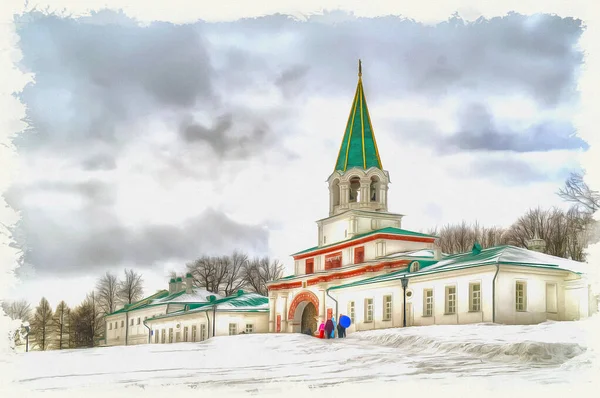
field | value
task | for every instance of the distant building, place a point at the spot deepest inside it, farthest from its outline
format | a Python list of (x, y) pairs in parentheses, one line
[(363, 256), (185, 313)]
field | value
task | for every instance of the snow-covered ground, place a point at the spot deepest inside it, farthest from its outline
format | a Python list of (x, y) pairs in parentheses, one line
[(553, 353)]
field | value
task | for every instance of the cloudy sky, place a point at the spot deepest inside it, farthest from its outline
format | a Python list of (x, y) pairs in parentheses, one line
[(152, 144)]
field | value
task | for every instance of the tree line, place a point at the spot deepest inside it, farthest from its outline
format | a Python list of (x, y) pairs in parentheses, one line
[(566, 232), (84, 326)]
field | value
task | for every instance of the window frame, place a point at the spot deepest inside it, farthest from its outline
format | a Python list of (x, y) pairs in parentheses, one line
[(474, 307), (450, 300), (555, 298), (249, 329), (351, 311), (428, 308), (369, 307), (234, 327), (524, 297), (185, 334), (387, 307)]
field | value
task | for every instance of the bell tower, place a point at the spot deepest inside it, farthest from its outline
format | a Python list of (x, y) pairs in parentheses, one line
[(358, 180)]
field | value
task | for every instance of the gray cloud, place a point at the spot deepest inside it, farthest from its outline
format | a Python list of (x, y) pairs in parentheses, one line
[(98, 79), (509, 171), (533, 55), (94, 244), (92, 78), (479, 131)]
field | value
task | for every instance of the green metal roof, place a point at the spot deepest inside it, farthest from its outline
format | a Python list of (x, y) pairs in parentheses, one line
[(507, 255), (388, 230), (145, 301), (359, 147), (240, 302)]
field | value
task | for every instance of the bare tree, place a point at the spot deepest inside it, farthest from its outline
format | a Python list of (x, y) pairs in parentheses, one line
[(578, 192), (234, 279), (60, 323), (107, 288), (87, 323), (566, 234), (41, 325), (20, 310), (130, 289), (221, 275), (259, 271), (460, 238), (17, 309)]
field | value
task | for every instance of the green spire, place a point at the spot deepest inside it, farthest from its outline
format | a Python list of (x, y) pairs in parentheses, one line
[(359, 148)]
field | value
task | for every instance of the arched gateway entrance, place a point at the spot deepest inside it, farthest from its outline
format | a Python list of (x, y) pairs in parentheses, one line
[(303, 312)]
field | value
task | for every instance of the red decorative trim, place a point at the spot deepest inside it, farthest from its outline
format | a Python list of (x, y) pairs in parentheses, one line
[(300, 298), (359, 254), (292, 285), (364, 240), (341, 275), (278, 323), (333, 260), (309, 266)]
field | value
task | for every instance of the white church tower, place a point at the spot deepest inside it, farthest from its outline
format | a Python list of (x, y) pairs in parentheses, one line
[(358, 186)]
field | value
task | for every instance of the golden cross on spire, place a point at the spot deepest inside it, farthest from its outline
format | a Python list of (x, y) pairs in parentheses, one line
[(359, 68)]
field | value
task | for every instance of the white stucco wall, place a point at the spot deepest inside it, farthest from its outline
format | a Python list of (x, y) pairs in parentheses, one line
[(138, 333), (259, 321)]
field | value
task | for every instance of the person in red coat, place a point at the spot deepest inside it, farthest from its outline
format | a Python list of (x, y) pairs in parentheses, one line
[(321, 330)]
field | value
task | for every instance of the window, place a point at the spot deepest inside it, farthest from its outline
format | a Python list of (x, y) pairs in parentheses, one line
[(521, 296), (359, 255), (131, 323), (333, 260), (156, 332), (116, 325), (351, 311), (202, 332), (170, 335), (324, 240), (369, 310), (450, 299), (122, 324), (551, 298), (145, 318), (475, 297), (249, 328), (387, 308), (162, 336), (185, 333), (414, 267), (428, 302), (232, 329), (310, 266), (138, 321)]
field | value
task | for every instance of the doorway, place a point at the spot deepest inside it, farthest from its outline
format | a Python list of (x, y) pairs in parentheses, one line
[(309, 318)]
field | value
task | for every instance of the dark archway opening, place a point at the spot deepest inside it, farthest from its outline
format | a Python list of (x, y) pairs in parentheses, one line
[(309, 320)]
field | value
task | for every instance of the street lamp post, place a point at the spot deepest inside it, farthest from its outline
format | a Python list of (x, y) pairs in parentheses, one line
[(404, 285), (26, 326)]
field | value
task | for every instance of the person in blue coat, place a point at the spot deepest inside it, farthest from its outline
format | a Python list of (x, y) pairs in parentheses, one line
[(334, 327)]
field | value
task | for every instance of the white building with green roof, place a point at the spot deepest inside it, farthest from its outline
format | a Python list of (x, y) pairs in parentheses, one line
[(367, 267), (186, 313)]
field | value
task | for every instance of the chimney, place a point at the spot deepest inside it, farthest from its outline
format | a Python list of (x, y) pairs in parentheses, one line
[(188, 283), (178, 284), (437, 250), (172, 286), (536, 244)]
